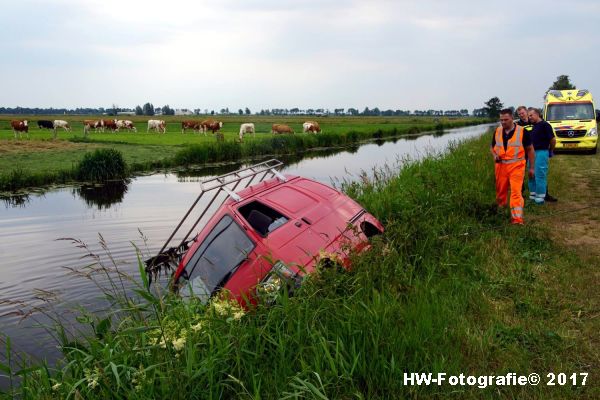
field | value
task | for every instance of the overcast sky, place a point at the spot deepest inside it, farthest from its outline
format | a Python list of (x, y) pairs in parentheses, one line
[(281, 54)]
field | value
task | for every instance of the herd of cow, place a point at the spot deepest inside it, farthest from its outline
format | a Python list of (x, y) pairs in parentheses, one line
[(158, 125)]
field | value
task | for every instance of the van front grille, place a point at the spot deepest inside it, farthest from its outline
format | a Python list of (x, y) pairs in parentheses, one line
[(571, 133)]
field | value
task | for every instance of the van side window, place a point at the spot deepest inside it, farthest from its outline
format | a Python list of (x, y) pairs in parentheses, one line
[(262, 218)]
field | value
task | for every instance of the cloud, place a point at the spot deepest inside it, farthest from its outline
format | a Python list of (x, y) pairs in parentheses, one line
[(267, 53)]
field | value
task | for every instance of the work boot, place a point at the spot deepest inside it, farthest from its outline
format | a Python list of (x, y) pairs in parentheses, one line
[(550, 199)]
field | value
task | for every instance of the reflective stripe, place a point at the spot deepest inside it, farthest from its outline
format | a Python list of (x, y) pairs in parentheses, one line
[(517, 142), (514, 160)]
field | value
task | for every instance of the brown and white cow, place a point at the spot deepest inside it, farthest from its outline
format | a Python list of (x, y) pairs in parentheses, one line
[(194, 125), (88, 124), (110, 124), (125, 124), (281, 128), (311, 127), (19, 126), (211, 124), (157, 125)]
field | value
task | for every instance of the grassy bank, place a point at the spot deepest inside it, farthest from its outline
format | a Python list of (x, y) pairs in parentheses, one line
[(40, 160), (450, 287)]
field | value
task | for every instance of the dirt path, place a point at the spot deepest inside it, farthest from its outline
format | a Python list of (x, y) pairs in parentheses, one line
[(575, 219), (574, 226)]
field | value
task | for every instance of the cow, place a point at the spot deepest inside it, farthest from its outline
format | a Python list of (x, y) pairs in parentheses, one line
[(125, 124), (246, 128), (158, 125), (194, 125), (311, 127), (109, 124), (45, 124), (19, 126), (88, 124), (59, 123), (281, 128), (211, 124)]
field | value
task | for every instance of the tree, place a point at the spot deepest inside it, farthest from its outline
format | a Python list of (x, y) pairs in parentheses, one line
[(562, 82), (247, 111), (493, 107), (138, 110), (148, 109), (113, 110), (166, 110)]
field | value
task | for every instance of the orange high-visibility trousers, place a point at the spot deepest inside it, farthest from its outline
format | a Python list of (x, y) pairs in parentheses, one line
[(511, 175)]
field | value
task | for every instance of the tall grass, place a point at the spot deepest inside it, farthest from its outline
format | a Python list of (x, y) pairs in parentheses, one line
[(101, 165), (450, 287)]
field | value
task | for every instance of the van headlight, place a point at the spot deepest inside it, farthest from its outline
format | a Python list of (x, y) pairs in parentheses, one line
[(592, 132), (279, 276)]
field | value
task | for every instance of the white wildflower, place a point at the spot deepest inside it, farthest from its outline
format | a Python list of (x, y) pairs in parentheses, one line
[(198, 327), (179, 343)]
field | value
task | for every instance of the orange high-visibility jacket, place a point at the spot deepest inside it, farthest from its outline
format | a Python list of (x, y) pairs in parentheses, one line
[(514, 149)]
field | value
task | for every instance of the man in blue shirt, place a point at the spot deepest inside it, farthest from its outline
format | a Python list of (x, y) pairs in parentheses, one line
[(543, 140)]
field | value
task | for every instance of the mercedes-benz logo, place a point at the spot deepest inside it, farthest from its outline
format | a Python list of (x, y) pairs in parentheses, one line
[(571, 133)]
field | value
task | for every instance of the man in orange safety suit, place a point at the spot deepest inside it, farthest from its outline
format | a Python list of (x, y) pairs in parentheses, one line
[(509, 144)]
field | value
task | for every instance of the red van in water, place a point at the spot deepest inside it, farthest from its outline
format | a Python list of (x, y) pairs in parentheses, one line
[(270, 232)]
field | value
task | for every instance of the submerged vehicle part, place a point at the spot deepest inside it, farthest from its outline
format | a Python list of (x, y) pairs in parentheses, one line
[(168, 258), (268, 234)]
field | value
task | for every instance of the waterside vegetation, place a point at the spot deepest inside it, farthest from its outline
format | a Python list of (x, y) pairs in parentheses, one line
[(449, 287)]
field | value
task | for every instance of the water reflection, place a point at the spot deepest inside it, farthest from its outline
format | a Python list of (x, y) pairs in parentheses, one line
[(105, 195), (17, 200), (184, 175)]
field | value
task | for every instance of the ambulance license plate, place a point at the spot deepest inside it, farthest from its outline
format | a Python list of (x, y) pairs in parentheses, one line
[(570, 144)]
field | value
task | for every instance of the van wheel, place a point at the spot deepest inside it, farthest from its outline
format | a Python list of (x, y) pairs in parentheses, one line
[(594, 150)]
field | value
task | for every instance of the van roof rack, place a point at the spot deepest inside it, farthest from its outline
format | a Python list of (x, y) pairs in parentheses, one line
[(228, 183)]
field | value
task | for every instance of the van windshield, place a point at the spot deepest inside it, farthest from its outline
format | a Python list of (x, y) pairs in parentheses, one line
[(219, 255), (560, 112)]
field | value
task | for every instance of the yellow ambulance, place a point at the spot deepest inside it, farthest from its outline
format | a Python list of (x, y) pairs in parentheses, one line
[(573, 117)]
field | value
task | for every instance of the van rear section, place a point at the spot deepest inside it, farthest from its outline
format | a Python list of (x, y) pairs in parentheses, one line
[(573, 117)]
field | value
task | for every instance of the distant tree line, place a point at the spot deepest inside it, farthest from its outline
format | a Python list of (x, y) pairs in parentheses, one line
[(148, 109)]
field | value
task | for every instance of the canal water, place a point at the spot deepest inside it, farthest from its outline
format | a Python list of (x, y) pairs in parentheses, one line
[(36, 265)]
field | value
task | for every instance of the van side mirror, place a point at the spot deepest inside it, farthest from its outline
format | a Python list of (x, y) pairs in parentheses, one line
[(598, 115)]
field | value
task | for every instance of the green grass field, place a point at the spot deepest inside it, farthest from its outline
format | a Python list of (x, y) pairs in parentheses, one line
[(449, 287), (39, 160)]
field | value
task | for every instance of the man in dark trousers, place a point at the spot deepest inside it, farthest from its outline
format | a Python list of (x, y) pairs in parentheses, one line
[(543, 140)]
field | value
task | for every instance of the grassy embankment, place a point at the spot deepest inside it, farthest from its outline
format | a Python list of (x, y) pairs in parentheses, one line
[(40, 160), (450, 287)]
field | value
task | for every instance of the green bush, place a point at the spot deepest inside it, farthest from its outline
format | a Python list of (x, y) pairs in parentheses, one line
[(101, 165)]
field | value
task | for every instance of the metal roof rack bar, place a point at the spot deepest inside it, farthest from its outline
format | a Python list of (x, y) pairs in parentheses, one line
[(218, 184)]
